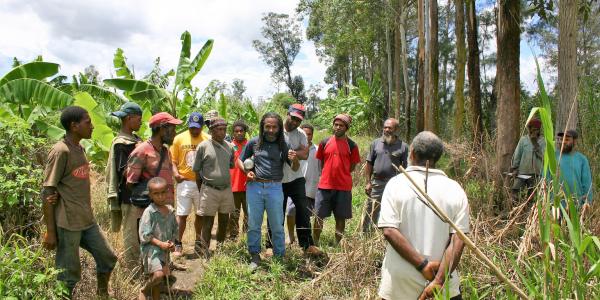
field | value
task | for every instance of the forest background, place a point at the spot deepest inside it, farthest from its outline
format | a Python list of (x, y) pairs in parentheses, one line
[(452, 68)]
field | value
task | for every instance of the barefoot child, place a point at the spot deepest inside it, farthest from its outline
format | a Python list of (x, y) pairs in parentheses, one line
[(158, 231)]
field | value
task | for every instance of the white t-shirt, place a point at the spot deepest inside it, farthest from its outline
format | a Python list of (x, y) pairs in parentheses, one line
[(294, 138), (401, 209), (310, 169)]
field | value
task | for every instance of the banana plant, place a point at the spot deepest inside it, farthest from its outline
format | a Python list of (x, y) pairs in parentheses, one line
[(187, 69)]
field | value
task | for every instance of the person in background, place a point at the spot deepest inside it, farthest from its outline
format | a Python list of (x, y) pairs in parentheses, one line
[(67, 206), (183, 154), (575, 173), (238, 181), (268, 153), (527, 161), (214, 158), (338, 156), (385, 155), (158, 232), (421, 248), (122, 212), (310, 170)]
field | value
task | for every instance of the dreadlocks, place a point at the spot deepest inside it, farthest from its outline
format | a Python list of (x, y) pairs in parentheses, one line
[(280, 137)]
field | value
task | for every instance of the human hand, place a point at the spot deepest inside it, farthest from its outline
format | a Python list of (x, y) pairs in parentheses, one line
[(292, 155), (179, 178), (167, 246), (430, 289), (250, 176), (368, 189), (52, 198), (49, 240), (430, 270)]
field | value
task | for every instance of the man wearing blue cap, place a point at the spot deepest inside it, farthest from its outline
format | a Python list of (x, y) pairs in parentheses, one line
[(122, 211), (183, 154)]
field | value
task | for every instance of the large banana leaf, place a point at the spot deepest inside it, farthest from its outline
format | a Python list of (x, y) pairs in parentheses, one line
[(100, 92), (34, 70), (183, 68), (120, 64), (129, 85), (102, 135), (152, 95), (34, 92), (53, 132), (198, 62)]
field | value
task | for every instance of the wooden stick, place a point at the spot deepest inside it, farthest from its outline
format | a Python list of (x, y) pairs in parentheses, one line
[(465, 238)]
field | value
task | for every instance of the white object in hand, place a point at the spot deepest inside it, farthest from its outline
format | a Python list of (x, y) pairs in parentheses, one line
[(248, 164)]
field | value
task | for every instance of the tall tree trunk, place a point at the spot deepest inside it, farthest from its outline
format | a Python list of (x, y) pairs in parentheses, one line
[(432, 116), (474, 74), (421, 66), (566, 116), (398, 84), (445, 56), (459, 85), (388, 50), (507, 76), (407, 101)]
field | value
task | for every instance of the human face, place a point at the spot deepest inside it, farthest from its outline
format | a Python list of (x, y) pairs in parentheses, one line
[(534, 132), (569, 143), (339, 128), (271, 129), (158, 193), (134, 122), (292, 122), (83, 128), (239, 134), (389, 131), (218, 133), (168, 134), (195, 132), (309, 134)]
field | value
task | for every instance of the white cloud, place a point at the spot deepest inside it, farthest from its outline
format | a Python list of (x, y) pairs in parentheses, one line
[(77, 34)]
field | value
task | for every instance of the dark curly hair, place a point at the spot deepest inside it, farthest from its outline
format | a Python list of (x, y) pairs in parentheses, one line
[(280, 137)]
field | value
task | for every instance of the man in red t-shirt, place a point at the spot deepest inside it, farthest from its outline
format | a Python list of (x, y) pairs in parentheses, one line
[(338, 156), (238, 182)]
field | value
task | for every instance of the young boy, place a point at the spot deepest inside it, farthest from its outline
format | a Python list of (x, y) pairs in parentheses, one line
[(158, 231)]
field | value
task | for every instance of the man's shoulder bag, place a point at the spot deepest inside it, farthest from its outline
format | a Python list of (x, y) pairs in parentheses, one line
[(140, 195)]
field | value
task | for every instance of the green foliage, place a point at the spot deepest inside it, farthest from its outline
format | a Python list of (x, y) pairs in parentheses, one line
[(27, 272), (34, 70), (21, 164), (120, 64)]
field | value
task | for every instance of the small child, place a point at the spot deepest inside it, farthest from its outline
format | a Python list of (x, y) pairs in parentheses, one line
[(158, 231)]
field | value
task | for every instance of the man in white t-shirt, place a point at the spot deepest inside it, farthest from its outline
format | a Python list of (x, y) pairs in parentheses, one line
[(421, 249)]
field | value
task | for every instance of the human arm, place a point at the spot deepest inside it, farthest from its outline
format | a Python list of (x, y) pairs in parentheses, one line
[(586, 182), (371, 156), (174, 151), (403, 247), (293, 160), (135, 164), (55, 168), (516, 159), (354, 158), (448, 264)]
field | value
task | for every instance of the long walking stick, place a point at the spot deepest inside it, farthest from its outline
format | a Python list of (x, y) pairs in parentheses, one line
[(464, 237)]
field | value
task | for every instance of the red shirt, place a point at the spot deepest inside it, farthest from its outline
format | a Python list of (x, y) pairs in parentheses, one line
[(336, 156), (143, 162), (238, 177)]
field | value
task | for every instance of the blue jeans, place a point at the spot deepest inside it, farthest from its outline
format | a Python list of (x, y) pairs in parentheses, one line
[(261, 196)]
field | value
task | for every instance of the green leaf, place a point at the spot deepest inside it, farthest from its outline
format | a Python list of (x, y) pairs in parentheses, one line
[(100, 92), (199, 61), (53, 132), (32, 70), (32, 91), (152, 95), (183, 68), (120, 64), (222, 106), (129, 85)]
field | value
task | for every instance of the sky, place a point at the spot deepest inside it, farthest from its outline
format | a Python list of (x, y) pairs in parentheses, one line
[(77, 34)]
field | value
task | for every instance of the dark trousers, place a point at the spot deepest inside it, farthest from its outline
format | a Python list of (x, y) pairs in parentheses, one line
[(296, 190)]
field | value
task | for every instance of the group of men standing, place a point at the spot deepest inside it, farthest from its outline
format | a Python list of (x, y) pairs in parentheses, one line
[(280, 172)]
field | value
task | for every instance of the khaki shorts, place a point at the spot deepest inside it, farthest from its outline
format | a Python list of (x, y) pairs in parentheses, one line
[(213, 201)]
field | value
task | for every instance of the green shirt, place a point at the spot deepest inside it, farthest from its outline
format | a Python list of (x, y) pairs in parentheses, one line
[(527, 159), (154, 224), (575, 175), (213, 161)]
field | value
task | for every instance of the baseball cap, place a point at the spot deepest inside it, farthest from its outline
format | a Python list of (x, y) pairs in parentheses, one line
[(571, 132), (297, 110), (163, 118), (196, 120), (128, 108)]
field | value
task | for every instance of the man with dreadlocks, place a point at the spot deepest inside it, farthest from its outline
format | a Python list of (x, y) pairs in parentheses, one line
[(269, 152), (421, 248)]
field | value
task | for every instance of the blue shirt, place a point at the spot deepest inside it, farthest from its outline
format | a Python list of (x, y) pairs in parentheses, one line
[(575, 175)]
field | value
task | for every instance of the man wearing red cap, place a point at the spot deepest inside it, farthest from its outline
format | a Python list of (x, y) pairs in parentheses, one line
[(527, 160), (338, 156), (151, 158)]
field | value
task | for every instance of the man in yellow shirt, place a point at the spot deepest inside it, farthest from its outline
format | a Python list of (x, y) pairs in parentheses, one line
[(183, 153)]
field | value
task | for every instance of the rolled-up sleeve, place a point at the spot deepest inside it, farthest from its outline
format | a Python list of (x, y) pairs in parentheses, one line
[(135, 164), (391, 211)]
